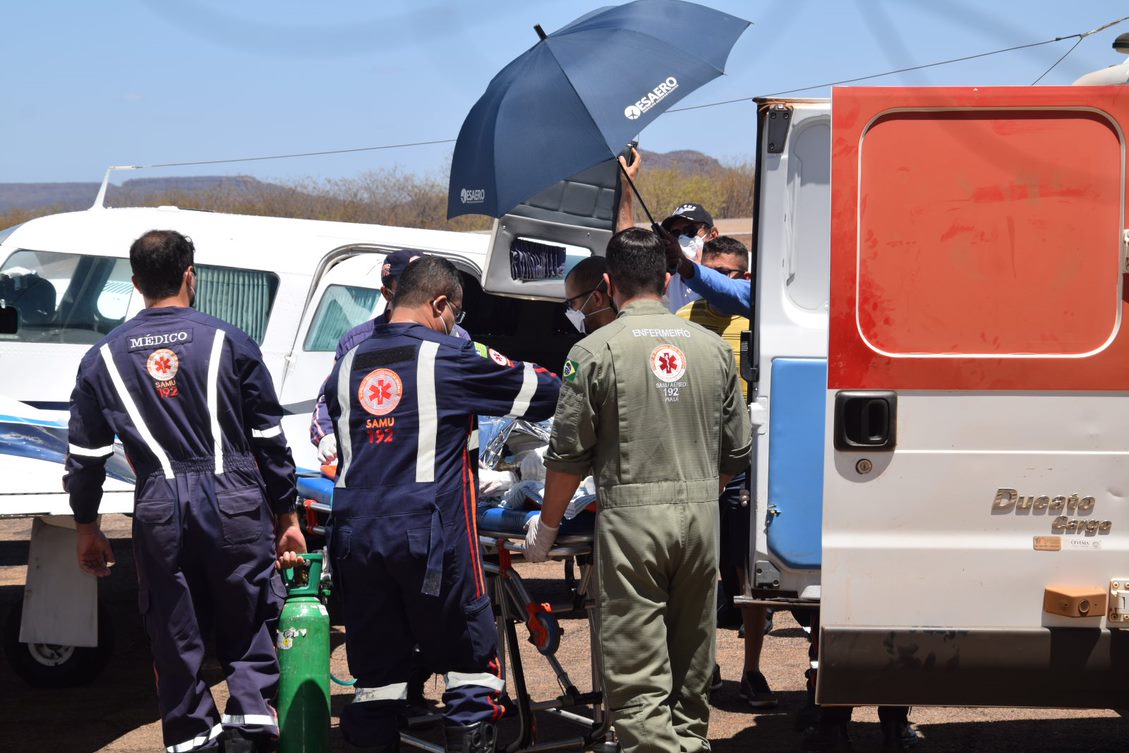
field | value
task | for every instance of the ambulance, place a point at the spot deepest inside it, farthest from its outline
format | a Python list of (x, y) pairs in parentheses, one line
[(941, 407)]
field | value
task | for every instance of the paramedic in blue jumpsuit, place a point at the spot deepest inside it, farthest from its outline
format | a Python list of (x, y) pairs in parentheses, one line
[(194, 407), (404, 541), (321, 428)]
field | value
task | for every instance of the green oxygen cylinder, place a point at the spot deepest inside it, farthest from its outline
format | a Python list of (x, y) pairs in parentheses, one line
[(303, 662)]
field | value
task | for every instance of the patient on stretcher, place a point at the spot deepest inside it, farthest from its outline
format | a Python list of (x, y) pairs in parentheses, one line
[(511, 480)]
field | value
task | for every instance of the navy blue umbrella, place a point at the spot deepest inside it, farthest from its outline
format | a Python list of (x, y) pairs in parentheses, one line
[(579, 95)]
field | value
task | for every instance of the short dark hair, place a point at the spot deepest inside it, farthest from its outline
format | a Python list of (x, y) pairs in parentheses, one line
[(426, 279), (589, 273), (158, 260), (637, 262), (723, 245)]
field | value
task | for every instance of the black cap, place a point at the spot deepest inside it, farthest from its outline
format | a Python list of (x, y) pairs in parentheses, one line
[(693, 213), (395, 264)]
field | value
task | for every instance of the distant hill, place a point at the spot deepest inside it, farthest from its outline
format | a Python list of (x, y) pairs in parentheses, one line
[(30, 196), (684, 161), (65, 196)]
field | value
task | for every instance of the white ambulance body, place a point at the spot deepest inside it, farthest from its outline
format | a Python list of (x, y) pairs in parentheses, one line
[(941, 412)]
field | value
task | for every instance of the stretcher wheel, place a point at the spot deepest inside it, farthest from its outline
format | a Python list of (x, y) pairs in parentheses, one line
[(544, 633)]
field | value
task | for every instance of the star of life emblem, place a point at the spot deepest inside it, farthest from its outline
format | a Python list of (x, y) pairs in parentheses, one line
[(498, 358), (380, 391), (668, 363), (162, 364)]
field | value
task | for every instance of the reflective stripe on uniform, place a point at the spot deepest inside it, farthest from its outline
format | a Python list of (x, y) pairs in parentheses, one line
[(344, 404), (480, 679), (428, 413), (197, 742), (397, 691), (270, 433), (525, 395), (213, 398), (135, 415), (91, 452), (249, 720), (472, 443)]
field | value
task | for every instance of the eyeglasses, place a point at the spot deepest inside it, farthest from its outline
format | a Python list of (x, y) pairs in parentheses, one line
[(584, 295), (728, 272), (460, 315), (691, 229)]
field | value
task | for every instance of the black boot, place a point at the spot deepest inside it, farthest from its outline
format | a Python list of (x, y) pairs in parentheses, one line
[(469, 738), (830, 734), (237, 741), (899, 735)]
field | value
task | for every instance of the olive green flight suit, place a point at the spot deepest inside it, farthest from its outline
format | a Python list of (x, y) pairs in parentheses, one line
[(651, 405)]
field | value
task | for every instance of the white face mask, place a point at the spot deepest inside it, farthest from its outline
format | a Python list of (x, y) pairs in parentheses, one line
[(691, 245), (577, 318), (577, 315)]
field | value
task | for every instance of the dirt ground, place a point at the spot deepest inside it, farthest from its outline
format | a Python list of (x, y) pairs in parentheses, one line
[(117, 712)]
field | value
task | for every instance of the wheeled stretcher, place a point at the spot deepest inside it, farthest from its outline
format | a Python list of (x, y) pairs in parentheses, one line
[(501, 536)]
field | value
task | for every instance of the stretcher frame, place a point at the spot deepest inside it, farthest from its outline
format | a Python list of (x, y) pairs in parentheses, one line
[(512, 605)]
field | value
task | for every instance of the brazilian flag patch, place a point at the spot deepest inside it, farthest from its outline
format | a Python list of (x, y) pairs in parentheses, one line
[(569, 371)]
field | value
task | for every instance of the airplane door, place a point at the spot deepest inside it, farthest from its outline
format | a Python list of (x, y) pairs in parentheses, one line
[(976, 489), (346, 295), (534, 246)]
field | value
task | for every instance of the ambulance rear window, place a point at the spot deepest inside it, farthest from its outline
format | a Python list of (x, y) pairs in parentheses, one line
[(990, 233)]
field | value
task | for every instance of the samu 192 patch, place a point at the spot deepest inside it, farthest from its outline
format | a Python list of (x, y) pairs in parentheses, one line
[(570, 370)]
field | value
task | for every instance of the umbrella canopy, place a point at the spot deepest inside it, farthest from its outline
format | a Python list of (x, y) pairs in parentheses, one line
[(580, 94)]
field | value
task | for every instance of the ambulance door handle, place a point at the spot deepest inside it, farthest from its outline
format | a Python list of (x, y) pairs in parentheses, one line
[(866, 420)]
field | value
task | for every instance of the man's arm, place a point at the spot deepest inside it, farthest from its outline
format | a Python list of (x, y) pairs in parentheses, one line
[(571, 446), (263, 424), (90, 444), (497, 386), (560, 486), (321, 428), (734, 297), (736, 429), (625, 215)]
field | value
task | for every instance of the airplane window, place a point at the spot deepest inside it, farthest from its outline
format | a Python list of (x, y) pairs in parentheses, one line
[(65, 298), (341, 308), (242, 297)]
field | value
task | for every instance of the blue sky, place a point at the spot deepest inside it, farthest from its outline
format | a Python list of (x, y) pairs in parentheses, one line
[(89, 84)]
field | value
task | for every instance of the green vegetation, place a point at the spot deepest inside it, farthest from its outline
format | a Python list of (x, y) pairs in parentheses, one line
[(394, 197)]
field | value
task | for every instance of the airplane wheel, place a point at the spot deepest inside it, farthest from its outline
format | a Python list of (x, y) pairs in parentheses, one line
[(45, 665)]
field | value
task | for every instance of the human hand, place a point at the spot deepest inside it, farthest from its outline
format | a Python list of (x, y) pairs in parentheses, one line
[(676, 261), (539, 539), (95, 555), (632, 170), (327, 449), (289, 541)]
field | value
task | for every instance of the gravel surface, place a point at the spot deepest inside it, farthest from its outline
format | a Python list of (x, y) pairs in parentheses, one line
[(117, 712)]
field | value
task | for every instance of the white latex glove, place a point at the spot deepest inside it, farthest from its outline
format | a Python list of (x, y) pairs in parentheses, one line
[(327, 449), (533, 465), (493, 483), (539, 539)]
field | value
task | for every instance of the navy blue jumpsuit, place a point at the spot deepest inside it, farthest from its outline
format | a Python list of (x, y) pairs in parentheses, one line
[(196, 411), (404, 543)]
